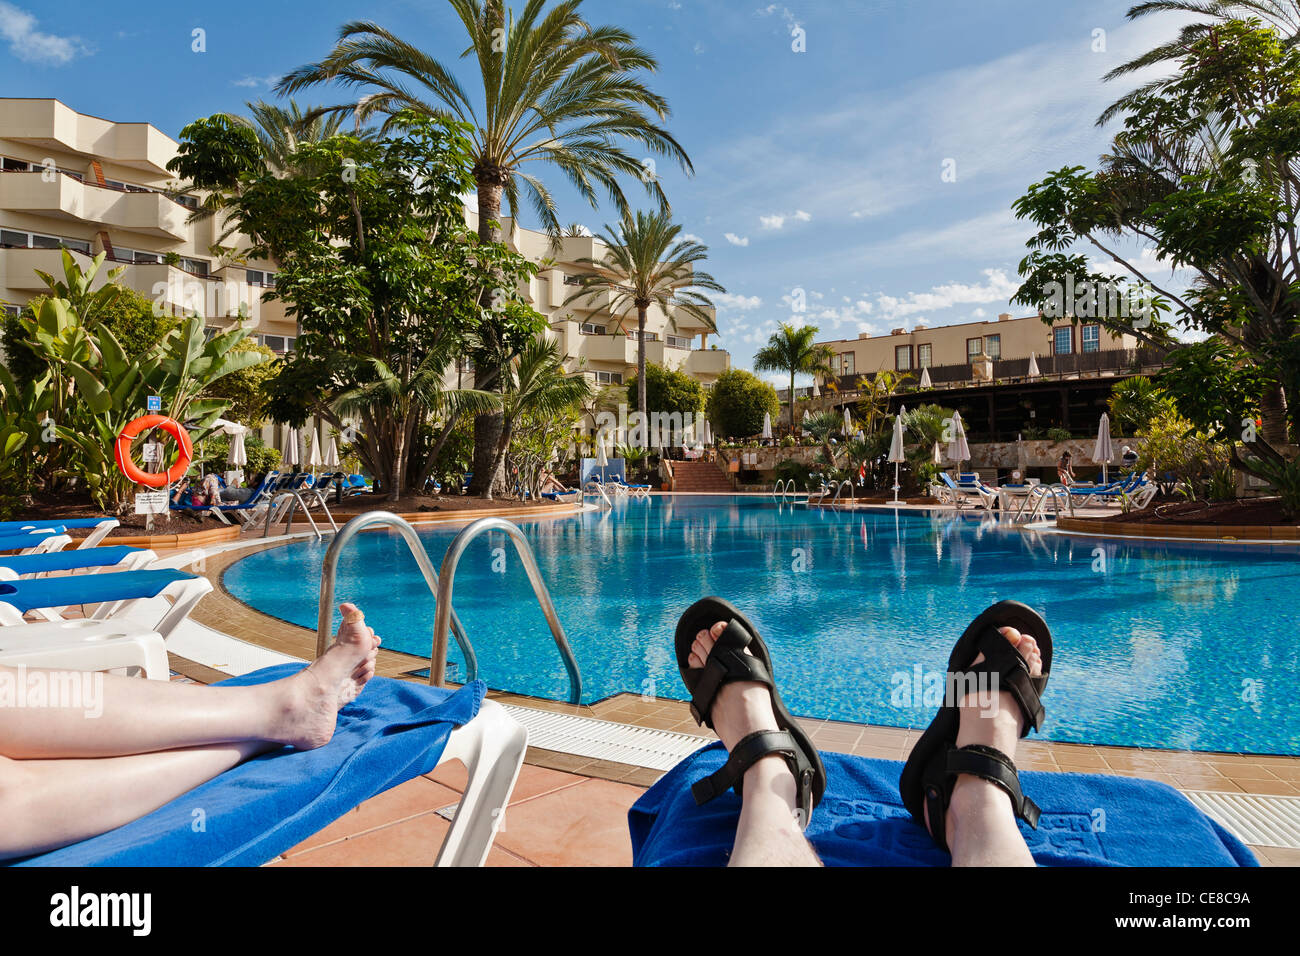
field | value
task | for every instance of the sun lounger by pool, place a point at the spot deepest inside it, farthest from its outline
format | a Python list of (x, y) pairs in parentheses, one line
[(85, 645), (35, 542), (99, 527), (960, 493), (1087, 820), (247, 511), (117, 558), (394, 732), (124, 595)]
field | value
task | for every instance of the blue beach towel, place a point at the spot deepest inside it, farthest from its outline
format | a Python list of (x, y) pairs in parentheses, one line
[(1088, 820), (393, 732)]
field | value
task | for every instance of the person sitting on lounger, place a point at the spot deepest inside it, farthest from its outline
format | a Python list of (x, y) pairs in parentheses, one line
[(64, 778), (775, 768)]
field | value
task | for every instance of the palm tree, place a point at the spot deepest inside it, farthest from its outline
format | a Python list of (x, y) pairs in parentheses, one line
[(646, 264), (876, 391), (793, 350), (280, 130), (537, 384), (553, 89)]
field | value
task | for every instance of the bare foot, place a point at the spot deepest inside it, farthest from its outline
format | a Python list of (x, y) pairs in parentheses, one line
[(314, 696), (974, 799)]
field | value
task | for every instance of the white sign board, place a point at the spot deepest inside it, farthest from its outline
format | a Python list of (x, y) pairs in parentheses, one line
[(151, 503), (151, 453)]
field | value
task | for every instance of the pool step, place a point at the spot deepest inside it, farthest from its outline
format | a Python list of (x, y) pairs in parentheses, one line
[(605, 740), (1256, 819)]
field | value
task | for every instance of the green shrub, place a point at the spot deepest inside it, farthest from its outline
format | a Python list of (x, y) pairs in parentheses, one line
[(1059, 434), (668, 390), (737, 403)]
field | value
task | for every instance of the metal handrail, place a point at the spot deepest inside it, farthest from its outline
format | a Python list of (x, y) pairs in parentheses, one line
[(840, 487), (329, 570), (778, 491), (446, 614)]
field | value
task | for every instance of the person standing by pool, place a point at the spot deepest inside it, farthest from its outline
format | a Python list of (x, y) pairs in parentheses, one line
[(1065, 470)]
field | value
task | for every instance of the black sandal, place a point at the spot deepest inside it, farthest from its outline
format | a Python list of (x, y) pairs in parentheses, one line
[(727, 664), (932, 769)]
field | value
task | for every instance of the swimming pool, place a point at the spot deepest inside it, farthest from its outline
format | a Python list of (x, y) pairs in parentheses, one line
[(1157, 645)]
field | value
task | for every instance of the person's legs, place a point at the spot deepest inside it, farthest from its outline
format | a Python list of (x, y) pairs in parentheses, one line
[(981, 827), (66, 776), (769, 832)]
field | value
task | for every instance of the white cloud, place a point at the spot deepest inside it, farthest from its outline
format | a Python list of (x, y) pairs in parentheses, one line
[(30, 45), (998, 287), (736, 240), (690, 237), (256, 81), (730, 300), (777, 221)]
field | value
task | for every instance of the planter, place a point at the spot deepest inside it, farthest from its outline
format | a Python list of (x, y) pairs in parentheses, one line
[(1170, 530)]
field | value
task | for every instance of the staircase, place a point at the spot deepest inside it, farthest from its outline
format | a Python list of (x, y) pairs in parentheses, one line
[(700, 476)]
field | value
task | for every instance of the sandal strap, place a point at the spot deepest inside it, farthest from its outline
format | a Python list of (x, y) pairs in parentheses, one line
[(747, 752), (727, 663), (991, 764), (1013, 676), (975, 760)]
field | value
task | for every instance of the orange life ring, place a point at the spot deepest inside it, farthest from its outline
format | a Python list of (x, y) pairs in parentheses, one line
[(122, 451)]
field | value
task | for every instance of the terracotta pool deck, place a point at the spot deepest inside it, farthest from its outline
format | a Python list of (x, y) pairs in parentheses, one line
[(572, 811)]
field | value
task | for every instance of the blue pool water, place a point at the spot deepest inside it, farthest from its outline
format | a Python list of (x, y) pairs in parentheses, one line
[(1157, 645)]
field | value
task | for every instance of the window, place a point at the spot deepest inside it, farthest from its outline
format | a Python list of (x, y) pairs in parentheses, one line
[(902, 358), (678, 341), (993, 346), (33, 240), (1090, 338), (1062, 340), (189, 202), (974, 348), (273, 342), (135, 255), (925, 356), (609, 378), (588, 328), (573, 280), (648, 336), (14, 165), (258, 277), (197, 266), (13, 310)]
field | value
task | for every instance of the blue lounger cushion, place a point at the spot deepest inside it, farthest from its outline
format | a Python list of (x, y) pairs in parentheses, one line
[(23, 541), (395, 731), (13, 527), (68, 560), (1088, 820), (87, 588)]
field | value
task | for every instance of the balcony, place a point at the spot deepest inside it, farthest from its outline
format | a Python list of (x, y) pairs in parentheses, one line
[(65, 197), (616, 348), (51, 125), (707, 364), (1102, 364)]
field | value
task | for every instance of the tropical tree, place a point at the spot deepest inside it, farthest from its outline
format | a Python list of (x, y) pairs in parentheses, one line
[(794, 350), (550, 89), (645, 264), (669, 390), (1135, 401), (281, 130), (1206, 169), (824, 426), (538, 388), (876, 390), (386, 280)]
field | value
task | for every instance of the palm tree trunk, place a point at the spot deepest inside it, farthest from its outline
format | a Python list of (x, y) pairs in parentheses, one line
[(640, 366), (1273, 410), (791, 401), (487, 426)]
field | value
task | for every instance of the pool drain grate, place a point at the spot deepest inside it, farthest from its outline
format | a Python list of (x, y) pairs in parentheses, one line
[(606, 740), (1253, 818)]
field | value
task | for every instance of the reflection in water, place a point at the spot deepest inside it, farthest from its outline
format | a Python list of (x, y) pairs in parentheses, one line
[(1153, 640)]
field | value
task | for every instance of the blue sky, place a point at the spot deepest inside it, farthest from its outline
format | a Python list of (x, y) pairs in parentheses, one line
[(820, 170)]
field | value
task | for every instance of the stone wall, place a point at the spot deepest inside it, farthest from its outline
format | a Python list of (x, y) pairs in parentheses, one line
[(1041, 453)]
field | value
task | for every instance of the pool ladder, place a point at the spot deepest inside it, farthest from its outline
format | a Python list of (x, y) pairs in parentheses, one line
[(440, 585)]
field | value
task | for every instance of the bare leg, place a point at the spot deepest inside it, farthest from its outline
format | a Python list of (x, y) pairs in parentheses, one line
[(140, 716), (769, 832), (981, 827), (104, 773)]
